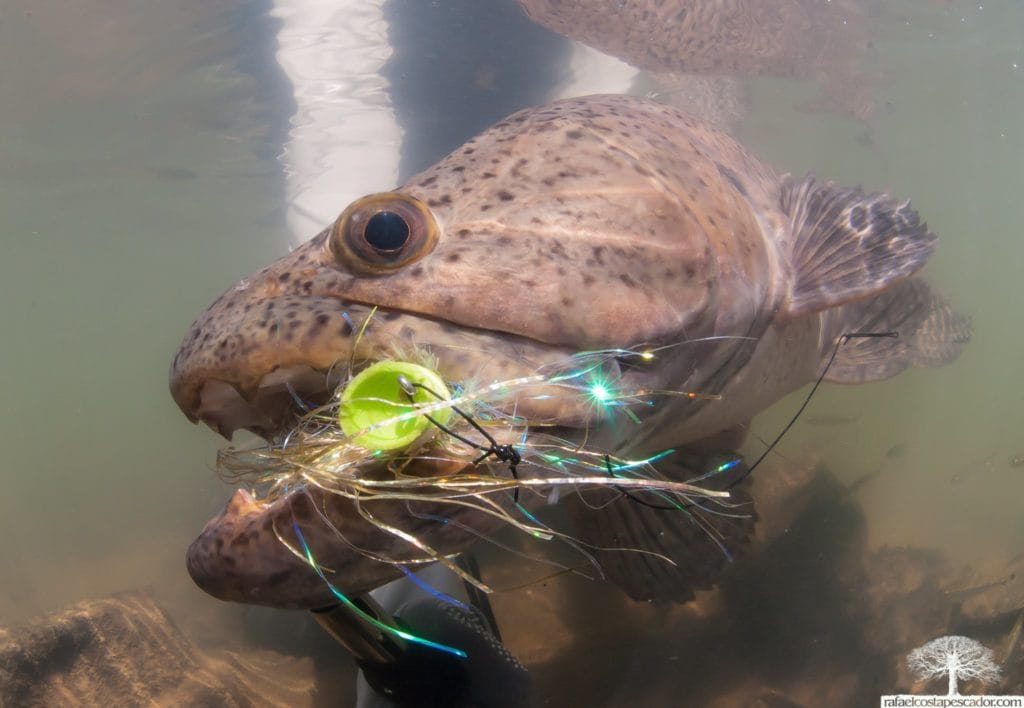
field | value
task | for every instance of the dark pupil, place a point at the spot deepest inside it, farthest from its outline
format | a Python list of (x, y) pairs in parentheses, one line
[(386, 231)]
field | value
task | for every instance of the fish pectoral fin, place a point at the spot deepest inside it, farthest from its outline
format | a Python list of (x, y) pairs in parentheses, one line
[(846, 244), (657, 551), (930, 333)]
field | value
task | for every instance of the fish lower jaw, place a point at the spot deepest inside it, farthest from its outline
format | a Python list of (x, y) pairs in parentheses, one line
[(272, 552)]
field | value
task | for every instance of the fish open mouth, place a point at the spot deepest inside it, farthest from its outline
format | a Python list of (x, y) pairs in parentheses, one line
[(300, 531), (243, 380), (326, 516), (280, 398), (334, 519)]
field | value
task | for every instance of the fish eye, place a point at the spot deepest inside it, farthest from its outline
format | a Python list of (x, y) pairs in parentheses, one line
[(386, 231), (382, 232)]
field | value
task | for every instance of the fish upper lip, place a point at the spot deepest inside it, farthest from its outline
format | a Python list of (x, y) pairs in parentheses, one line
[(262, 403)]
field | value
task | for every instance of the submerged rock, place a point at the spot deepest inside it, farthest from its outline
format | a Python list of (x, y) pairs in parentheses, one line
[(125, 650)]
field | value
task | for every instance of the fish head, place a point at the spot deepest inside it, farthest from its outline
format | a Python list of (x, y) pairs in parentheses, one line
[(550, 233), (559, 230)]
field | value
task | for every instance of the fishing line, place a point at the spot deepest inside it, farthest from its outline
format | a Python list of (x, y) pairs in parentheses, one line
[(498, 544), (626, 493), (504, 453), (317, 454), (307, 555), (440, 595), (843, 339)]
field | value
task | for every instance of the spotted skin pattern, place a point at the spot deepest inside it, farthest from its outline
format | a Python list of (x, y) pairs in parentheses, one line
[(628, 223), (603, 221), (678, 40)]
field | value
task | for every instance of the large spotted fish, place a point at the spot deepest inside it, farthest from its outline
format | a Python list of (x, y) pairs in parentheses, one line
[(680, 42), (602, 222)]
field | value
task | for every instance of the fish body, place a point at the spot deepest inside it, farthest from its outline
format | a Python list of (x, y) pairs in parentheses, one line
[(679, 40), (598, 223)]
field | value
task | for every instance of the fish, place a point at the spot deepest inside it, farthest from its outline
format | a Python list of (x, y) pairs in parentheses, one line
[(593, 223), (683, 43)]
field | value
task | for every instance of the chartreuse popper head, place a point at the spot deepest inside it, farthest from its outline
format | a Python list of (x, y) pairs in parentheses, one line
[(376, 394)]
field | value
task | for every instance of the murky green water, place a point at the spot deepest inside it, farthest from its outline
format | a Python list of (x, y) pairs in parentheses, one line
[(140, 176), (137, 178), (947, 138)]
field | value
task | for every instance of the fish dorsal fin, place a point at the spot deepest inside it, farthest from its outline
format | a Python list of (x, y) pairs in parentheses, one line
[(846, 245), (930, 333)]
